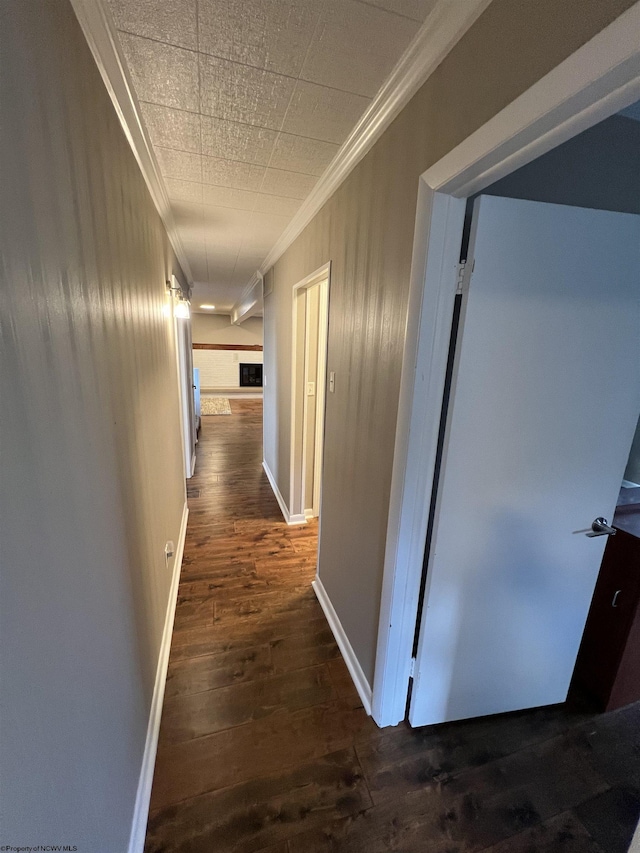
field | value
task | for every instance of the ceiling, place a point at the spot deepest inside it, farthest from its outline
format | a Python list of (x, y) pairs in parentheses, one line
[(246, 102)]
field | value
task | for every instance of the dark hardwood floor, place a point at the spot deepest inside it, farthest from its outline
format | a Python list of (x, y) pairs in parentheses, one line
[(264, 744)]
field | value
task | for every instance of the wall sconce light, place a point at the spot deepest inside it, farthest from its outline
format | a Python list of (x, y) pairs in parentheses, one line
[(181, 307), (173, 287), (181, 310)]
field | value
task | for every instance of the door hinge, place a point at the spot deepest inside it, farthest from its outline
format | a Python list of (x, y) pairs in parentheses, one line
[(412, 668), (460, 282)]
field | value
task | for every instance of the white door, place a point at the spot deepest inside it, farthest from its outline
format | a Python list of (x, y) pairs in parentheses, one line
[(544, 403)]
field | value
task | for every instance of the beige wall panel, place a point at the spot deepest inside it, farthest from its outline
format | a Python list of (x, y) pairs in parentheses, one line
[(91, 479), (218, 329), (366, 231)]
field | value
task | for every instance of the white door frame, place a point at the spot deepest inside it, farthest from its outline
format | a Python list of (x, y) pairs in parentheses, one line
[(596, 81), (184, 366), (320, 277)]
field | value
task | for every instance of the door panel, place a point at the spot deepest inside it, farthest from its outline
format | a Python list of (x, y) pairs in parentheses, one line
[(539, 432)]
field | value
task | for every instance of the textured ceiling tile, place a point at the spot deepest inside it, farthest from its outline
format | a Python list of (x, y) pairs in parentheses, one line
[(194, 248), (234, 141), (199, 268), (265, 137), (297, 154), (323, 113), (231, 173), (189, 221), (222, 255), (228, 197), (416, 9), (223, 294), (179, 164), (270, 34), (276, 204), (161, 73), (264, 229), (183, 190), (172, 128), (240, 93), (220, 266), (356, 46), (224, 227), (288, 184), (249, 261), (173, 21)]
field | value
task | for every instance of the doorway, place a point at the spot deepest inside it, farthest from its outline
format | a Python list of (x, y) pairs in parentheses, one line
[(308, 391), (600, 79), (532, 456)]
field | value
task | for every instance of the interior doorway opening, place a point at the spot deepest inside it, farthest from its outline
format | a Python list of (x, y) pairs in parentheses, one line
[(600, 79), (308, 391)]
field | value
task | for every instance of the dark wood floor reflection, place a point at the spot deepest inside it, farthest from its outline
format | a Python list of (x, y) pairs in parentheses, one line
[(264, 744)]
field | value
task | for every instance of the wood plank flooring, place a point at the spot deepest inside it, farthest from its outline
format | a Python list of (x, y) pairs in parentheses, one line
[(264, 744)]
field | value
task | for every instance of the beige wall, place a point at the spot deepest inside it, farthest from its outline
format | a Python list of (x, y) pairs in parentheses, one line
[(217, 329), (366, 231), (91, 477)]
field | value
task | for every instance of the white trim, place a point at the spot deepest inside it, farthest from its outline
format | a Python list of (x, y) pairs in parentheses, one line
[(100, 32), (436, 251), (250, 301), (193, 462), (355, 670), (599, 79), (308, 512), (321, 276), (321, 395), (182, 335), (446, 24), (143, 796), (290, 519)]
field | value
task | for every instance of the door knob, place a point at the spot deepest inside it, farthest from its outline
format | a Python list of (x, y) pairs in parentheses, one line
[(601, 527)]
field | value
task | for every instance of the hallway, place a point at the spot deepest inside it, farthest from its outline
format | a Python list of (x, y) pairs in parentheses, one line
[(264, 745)]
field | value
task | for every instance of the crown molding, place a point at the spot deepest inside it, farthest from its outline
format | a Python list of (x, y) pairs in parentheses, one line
[(100, 33), (447, 22)]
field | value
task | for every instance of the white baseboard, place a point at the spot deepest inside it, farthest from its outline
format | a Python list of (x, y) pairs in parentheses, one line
[(143, 796), (290, 519), (358, 676)]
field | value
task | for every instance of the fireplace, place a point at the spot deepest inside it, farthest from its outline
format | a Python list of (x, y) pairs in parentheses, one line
[(250, 375)]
